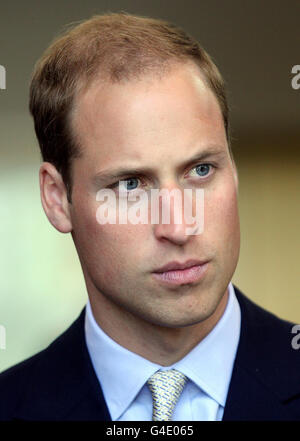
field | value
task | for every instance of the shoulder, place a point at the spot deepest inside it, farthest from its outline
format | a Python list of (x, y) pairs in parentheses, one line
[(265, 334), (15, 381), (258, 322), (268, 353), (40, 374)]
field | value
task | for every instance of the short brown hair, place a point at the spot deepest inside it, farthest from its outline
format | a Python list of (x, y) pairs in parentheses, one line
[(114, 47)]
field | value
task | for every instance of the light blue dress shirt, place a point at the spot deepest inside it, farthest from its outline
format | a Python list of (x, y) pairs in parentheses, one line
[(208, 366)]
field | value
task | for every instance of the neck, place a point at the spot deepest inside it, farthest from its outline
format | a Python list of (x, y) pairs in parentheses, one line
[(158, 344)]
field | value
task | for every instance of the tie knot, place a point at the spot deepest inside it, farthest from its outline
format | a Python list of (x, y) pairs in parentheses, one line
[(165, 387)]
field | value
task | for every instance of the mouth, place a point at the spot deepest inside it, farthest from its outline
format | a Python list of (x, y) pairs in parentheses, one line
[(175, 273)]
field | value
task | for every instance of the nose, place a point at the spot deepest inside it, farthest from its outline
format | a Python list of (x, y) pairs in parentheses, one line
[(171, 224)]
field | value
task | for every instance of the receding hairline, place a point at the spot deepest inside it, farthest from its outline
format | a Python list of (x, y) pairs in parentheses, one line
[(159, 72)]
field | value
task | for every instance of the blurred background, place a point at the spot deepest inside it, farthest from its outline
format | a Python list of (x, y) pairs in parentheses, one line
[(255, 44)]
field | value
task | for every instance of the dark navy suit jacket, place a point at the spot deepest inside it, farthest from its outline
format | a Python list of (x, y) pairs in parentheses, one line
[(59, 383)]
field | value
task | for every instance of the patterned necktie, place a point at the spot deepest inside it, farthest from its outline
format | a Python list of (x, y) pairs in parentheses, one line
[(166, 387)]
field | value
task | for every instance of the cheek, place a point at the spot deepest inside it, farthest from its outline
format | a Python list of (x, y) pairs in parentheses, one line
[(118, 253), (221, 213), (110, 245)]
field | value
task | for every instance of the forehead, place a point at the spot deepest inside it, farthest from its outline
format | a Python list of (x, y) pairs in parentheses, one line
[(137, 119)]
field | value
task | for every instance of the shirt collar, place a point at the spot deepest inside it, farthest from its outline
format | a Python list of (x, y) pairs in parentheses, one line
[(123, 373)]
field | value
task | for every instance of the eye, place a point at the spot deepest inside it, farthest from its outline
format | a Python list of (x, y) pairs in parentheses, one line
[(130, 183), (202, 170), (126, 184)]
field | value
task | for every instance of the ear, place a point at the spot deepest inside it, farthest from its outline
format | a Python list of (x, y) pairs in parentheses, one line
[(54, 198)]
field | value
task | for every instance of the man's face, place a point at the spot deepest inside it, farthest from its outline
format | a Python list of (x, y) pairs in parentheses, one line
[(158, 124)]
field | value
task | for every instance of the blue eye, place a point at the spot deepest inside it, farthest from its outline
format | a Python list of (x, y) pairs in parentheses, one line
[(126, 184), (202, 169), (130, 185)]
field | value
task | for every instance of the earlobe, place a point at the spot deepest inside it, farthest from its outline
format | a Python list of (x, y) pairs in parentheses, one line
[(54, 198)]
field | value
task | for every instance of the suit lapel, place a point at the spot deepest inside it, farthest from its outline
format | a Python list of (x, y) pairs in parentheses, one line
[(249, 400), (265, 373)]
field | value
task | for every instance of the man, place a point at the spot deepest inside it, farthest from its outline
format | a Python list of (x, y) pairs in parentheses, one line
[(131, 105)]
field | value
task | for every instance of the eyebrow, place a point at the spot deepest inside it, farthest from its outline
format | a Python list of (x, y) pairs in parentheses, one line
[(117, 173)]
